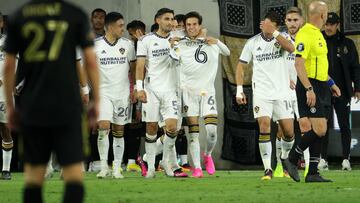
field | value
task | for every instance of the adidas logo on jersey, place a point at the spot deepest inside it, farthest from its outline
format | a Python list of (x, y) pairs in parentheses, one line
[(156, 44), (103, 52), (258, 49)]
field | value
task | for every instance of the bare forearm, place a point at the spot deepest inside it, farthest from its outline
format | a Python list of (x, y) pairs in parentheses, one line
[(81, 74), (140, 66), (285, 44), (9, 79), (301, 72), (239, 76), (92, 72)]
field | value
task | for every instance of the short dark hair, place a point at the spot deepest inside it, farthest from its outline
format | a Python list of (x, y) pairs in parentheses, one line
[(162, 11), (112, 17), (294, 10), (154, 27), (273, 17), (193, 14), (179, 18), (98, 10), (136, 24)]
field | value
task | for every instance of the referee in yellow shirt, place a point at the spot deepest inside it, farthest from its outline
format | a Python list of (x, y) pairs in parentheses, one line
[(313, 90)]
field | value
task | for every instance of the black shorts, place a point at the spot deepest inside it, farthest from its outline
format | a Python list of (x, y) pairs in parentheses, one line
[(66, 142), (322, 106)]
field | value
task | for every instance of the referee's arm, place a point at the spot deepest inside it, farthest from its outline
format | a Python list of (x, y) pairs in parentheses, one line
[(301, 72)]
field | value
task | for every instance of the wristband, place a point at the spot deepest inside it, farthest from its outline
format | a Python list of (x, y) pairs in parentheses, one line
[(331, 82), (139, 85), (239, 91), (276, 34), (85, 90)]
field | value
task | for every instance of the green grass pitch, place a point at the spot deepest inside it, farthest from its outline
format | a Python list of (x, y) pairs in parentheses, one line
[(224, 186)]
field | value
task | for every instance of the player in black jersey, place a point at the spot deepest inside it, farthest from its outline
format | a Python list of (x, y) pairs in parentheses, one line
[(49, 113)]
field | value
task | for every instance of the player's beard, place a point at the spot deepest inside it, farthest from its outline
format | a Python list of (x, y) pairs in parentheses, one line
[(293, 30)]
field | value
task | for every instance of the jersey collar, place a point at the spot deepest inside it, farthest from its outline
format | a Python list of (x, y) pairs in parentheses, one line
[(109, 43), (161, 36), (311, 26), (266, 39)]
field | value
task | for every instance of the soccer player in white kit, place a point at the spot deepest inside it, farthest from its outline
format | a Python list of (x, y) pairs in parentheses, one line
[(157, 89), (199, 60), (270, 85), (293, 21), (116, 57), (7, 141)]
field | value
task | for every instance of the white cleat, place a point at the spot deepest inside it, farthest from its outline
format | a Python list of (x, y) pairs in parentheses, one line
[(150, 173), (346, 165), (323, 165), (167, 169), (49, 172), (103, 173), (117, 174)]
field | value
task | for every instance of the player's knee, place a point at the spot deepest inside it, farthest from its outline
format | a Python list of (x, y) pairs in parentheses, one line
[(288, 132), (73, 173), (264, 124), (152, 128), (104, 125), (304, 125), (34, 175), (320, 130)]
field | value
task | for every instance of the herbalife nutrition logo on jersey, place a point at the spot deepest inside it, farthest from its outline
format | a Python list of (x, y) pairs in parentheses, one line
[(160, 52), (268, 56)]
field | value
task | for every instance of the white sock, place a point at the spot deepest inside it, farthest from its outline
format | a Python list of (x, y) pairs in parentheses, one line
[(103, 147), (168, 152), (173, 158), (131, 161), (306, 157), (7, 154), (286, 146), (6, 160), (118, 149), (265, 150), (194, 146), (159, 146), (184, 159), (211, 138), (150, 149), (278, 151)]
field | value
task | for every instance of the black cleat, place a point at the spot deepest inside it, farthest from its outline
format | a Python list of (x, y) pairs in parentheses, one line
[(292, 169), (268, 175), (6, 175), (316, 178)]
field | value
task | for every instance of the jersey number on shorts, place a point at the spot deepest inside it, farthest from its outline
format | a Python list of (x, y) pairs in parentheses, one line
[(2, 106), (37, 32), (123, 112), (288, 105), (200, 56)]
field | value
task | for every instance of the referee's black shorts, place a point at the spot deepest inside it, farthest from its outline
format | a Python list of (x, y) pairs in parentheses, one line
[(322, 108), (66, 142)]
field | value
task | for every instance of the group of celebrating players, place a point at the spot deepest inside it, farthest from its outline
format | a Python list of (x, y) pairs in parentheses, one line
[(175, 68)]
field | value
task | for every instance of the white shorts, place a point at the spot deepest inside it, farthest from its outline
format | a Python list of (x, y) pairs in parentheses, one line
[(116, 111), (295, 108), (3, 118), (198, 105), (160, 106), (275, 109)]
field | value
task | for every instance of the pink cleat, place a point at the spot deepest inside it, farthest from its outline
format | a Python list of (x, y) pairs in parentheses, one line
[(209, 164), (143, 166), (179, 173), (197, 173)]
